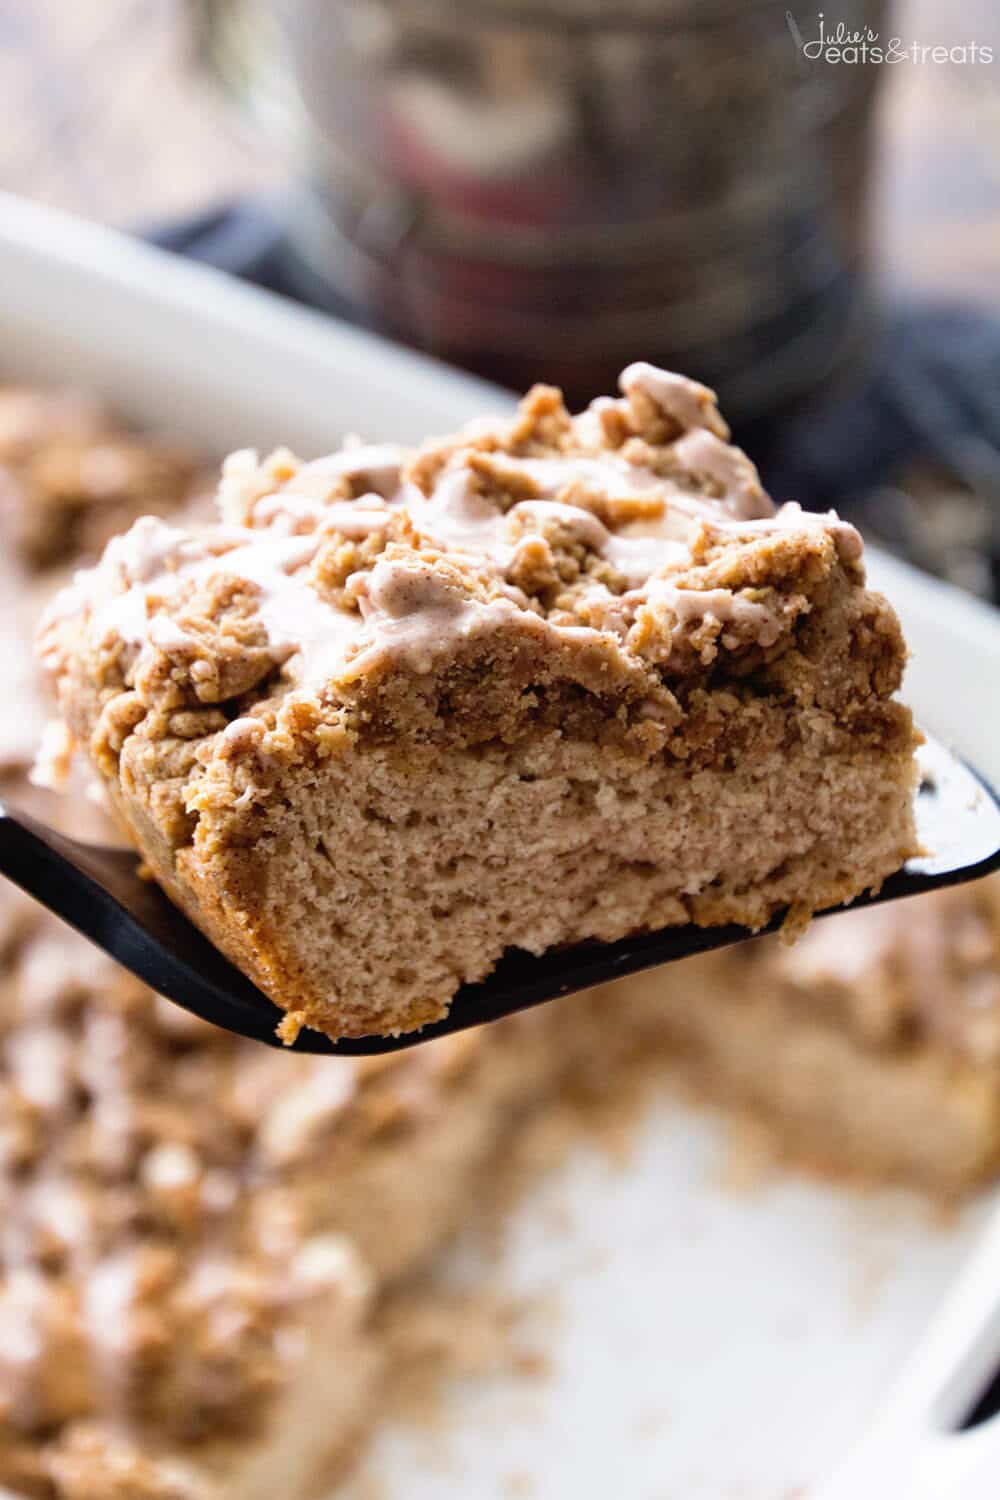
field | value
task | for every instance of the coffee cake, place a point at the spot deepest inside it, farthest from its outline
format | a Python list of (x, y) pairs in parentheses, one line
[(551, 679)]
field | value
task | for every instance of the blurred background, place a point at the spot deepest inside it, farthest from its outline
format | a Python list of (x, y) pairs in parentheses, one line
[(801, 208)]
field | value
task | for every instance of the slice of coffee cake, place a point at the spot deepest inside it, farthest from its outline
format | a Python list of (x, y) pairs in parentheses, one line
[(552, 679)]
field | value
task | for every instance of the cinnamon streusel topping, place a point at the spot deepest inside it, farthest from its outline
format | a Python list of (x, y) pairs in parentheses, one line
[(633, 531)]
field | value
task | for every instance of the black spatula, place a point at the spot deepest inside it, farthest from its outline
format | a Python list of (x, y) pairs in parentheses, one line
[(100, 893)]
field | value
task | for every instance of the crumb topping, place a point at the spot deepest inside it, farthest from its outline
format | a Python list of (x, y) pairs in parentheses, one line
[(631, 546)]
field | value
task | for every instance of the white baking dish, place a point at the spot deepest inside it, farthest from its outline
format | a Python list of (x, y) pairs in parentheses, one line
[(711, 1344)]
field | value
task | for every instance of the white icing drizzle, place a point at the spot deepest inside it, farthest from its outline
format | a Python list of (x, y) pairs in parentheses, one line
[(38, 1061), (407, 609), (792, 517), (355, 520), (688, 402), (587, 424), (608, 474), (375, 468), (167, 635), (719, 604), (109, 1293), (295, 617), (703, 454), (458, 518), (415, 613), (24, 1306), (640, 556)]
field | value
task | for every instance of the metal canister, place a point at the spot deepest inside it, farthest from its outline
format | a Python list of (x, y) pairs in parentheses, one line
[(558, 186)]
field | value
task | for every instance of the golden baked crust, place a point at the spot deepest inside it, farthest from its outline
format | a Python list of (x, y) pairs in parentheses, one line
[(552, 679)]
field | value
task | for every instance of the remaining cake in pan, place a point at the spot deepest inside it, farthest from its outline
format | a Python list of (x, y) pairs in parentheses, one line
[(193, 1226), (196, 1228), (552, 679), (71, 475), (872, 1046)]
